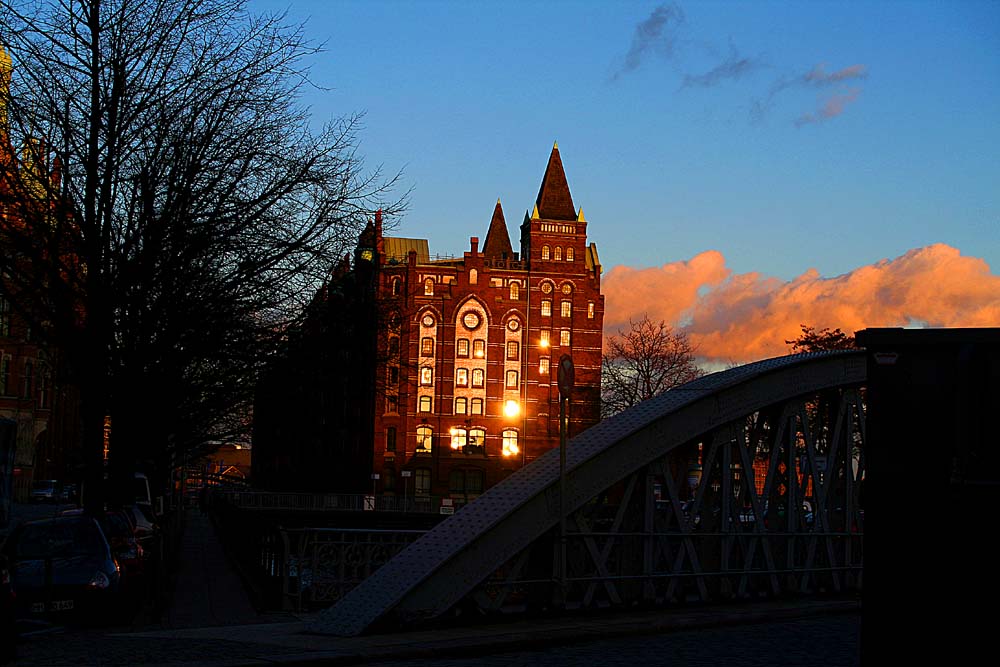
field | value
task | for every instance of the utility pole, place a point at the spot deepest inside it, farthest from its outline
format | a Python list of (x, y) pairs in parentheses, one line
[(565, 380)]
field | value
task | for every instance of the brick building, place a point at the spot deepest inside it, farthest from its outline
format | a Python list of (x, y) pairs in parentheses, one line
[(467, 383)]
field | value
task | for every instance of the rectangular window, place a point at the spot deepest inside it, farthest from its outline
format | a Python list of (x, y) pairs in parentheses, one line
[(425, 404), (426, 376), (510, 442), (422, 482), (477, 442), (425, 436), (4, 317), (477, 406), (462, 348), (474, 482), (462, 377), (393, 376), (511, 379), (496, 282), (27, 379), (390, 439), (478, 377), (427, 347), (479, 349), (546, 308), (590, 310), (461, 405), (513, 350), (543, 365), (564, 338), (566, 309), (392, 404), (543, 338)]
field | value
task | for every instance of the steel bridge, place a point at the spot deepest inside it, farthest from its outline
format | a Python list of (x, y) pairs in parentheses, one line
[(743, 484)]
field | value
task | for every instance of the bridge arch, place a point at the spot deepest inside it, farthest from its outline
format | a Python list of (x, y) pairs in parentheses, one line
[(777, 451)]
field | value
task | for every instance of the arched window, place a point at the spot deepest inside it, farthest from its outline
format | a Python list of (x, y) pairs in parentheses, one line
[(429, 287), (473, 277), (510, 447), (477, 441), (566, 309), (461, 405), (426, 376), (459, 438), (395, 286), (511, 379), (478, 379), (546, 308), (513, 349), (425, 436), (425, 404), (479, 349), (462, 347), (461, 377), (569, 254), (477, 406), (515, 291), (558, 254), (545, 252)]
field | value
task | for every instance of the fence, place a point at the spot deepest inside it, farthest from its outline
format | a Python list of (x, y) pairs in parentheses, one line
[(264, 500)]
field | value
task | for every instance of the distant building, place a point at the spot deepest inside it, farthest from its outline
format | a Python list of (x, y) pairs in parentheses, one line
[(464, 351)]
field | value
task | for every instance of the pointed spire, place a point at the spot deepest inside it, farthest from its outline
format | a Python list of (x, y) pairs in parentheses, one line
[(497, 244), (554, 201), (579, 216), (534, 213)]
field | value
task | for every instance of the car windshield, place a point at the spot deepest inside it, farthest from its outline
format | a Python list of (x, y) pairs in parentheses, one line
[(57, 539)]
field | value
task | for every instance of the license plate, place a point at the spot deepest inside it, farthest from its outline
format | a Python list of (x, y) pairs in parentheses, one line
[(56, 605)]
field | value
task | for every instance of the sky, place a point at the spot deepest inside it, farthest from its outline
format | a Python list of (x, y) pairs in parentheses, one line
[(745, 166)]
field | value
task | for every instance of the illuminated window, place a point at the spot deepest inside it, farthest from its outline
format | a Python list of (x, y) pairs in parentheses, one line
[(459, 438), (477, 406), (513, 349), (590, 310), (462, 377), (515, 291), (427, 347), (512, 379), (425, 436), (461, 405), (429, 287), (545, 252), (496, 282), (564, 337), (558, 253), (426, 376), (569, 254), (477, 440), (422, 482), (395, 286), (473, 277), (543, 365), (479, 349), (478, 377), (462, 349), (543, 338), (546, 308), (426, 404), (390, 439), (510, 447), (566, 309)]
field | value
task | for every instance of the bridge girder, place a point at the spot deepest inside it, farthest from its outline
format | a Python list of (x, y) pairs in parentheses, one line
[(628, 546)]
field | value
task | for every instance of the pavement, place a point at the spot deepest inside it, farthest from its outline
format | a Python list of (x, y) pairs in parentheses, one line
[(210, 621)]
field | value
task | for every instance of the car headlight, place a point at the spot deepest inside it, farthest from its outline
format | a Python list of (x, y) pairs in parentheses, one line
[(99, 580)]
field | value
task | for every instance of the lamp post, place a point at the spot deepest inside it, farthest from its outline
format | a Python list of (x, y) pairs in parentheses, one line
[(565, 380)]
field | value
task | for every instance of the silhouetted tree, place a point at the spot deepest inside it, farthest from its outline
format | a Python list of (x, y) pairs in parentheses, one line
[(818, 341), (178, 214), (643, 362)]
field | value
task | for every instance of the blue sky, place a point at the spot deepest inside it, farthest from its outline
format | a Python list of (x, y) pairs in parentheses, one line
[(785, 135)]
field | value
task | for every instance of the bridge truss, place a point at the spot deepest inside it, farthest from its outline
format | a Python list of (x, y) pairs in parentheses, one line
[(742, 484)]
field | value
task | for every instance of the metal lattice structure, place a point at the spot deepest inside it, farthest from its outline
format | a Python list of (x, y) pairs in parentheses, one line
[(741, 484)]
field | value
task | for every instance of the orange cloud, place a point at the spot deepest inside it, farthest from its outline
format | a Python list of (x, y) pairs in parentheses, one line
[(742, 317)]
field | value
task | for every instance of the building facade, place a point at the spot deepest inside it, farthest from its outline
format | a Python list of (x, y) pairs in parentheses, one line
[(466, 387)]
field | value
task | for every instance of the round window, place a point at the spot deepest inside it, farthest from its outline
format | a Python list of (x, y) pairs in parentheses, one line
[(513, 325), (567, 288), (471, 320), (428, 320), (546, 287)]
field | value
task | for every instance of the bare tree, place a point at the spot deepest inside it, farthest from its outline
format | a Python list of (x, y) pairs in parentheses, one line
[(643, 362), (818, 341), (173, 209)]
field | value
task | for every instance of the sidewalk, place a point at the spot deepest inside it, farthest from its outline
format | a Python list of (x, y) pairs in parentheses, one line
[(211, 621)]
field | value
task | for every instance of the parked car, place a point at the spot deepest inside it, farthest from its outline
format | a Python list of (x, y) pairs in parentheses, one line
[(45, 491), (120, 532), (63, 566)]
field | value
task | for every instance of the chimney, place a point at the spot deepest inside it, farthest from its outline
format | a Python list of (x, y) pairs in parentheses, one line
[(474, 241)]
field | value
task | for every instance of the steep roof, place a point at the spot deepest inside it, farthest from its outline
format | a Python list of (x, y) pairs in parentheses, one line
[(397, 248), (497, 239), (554, 201)]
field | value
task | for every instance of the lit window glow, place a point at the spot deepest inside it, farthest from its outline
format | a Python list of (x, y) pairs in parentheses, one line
[(511, 408)]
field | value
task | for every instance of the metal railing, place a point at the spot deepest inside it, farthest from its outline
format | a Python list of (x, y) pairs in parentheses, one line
[(267, 500)]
